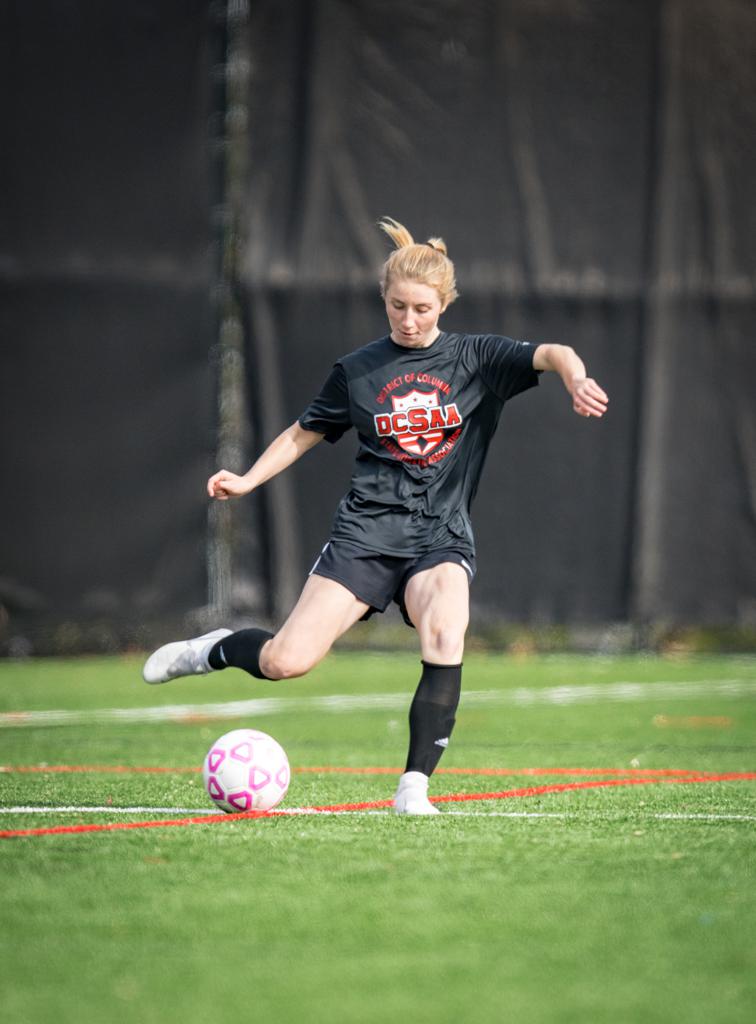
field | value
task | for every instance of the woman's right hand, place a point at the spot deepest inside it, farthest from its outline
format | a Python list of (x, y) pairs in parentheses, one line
[(287, 448), (224, 485)]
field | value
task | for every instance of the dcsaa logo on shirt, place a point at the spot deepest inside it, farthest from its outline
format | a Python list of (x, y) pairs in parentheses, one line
[(418, 422)]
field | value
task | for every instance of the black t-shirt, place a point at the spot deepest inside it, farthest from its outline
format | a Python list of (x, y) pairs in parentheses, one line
[(424, 418)]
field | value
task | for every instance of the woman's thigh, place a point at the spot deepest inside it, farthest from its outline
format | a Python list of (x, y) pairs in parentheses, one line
[(438, 604), (325, 610)]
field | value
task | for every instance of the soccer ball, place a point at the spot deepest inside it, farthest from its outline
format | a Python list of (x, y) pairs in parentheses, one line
[(246, 770)]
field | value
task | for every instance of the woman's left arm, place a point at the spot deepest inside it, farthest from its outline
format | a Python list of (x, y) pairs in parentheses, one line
[(588, 399)]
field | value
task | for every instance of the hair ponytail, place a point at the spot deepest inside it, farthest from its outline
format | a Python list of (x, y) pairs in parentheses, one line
[(397, 232), (438, 244)]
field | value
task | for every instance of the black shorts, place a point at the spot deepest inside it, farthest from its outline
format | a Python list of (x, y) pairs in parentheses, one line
[(379, 579)]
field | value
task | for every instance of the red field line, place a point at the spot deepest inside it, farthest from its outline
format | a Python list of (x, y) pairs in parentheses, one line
[(119, 769), (562, 787), (508, 771), (374, 804)]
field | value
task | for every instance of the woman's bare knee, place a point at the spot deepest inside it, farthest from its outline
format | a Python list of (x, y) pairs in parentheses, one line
[(324, 611), (278, 661), (443, 644)]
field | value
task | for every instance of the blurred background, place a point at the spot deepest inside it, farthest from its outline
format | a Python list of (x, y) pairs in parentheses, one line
[(188, 202)]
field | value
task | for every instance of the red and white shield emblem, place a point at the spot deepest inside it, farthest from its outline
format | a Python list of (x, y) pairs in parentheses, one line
[(410, 440)]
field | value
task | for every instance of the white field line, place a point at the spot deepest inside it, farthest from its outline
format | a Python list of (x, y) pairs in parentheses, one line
[(706, 817), (586, 693), (107, 810), (284, 811), (623, 815)]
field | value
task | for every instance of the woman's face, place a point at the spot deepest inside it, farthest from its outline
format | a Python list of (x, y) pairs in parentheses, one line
[(413, 310)]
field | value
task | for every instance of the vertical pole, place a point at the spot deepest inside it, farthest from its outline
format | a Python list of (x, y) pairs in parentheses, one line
[(648, 600), (227, 535)]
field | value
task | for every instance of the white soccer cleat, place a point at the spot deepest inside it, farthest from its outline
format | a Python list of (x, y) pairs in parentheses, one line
[(182, 658), (412, 795)]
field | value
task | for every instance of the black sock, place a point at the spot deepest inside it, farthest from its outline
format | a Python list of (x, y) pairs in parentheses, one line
[(240, 650), (431, 715)]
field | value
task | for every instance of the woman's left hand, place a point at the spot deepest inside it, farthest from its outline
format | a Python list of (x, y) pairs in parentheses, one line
[(588, 399)]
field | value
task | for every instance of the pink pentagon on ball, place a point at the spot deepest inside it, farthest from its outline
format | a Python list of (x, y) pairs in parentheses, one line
[(282, 776), (214, 788), (215, 759), (242, 800), (258, 777), (242, 752)]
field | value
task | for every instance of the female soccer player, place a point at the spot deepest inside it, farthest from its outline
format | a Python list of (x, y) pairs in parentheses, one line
[(425, 404)]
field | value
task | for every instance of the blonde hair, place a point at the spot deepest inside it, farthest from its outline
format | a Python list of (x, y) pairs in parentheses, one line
[(426, 262)]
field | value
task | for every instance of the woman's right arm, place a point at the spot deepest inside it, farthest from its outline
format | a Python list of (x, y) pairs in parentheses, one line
[(281, 453)]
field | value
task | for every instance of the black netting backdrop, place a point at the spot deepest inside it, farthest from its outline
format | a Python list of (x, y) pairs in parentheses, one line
[(106, 391), (590, 166)]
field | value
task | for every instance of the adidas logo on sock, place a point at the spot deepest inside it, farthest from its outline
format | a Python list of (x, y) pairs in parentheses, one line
[(442, 743)]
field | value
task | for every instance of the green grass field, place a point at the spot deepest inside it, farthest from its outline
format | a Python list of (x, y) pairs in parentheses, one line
[(630, 903)]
